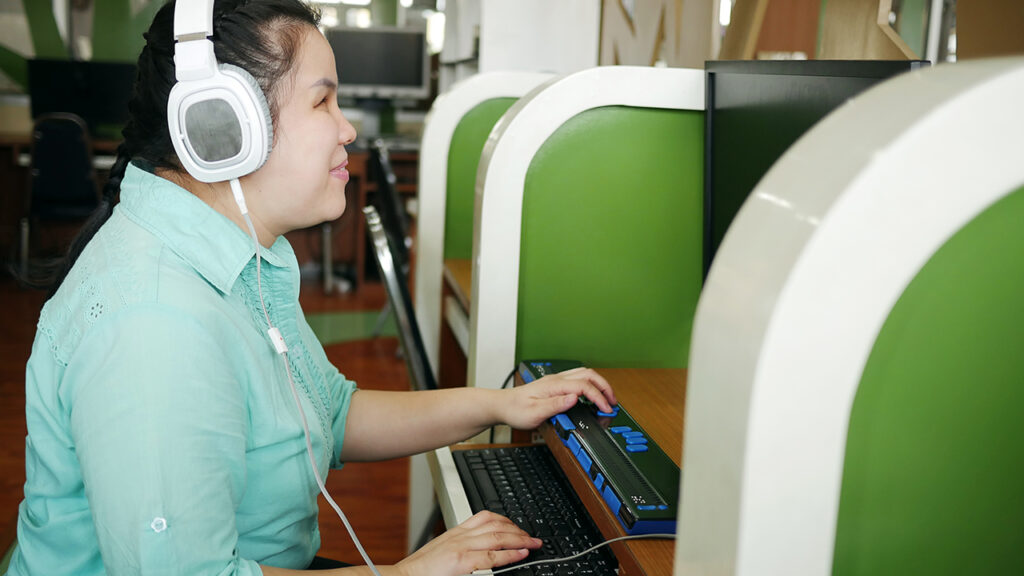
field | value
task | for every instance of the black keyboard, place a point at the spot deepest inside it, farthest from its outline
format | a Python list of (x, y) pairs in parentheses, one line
[(525, 484)]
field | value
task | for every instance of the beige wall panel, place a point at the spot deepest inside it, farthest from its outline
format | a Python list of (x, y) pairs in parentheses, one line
[(741, 36), (679, 32), (989, 28), (859, 30)]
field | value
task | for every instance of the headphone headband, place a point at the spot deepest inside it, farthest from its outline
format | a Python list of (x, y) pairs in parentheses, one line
[(193, 18), (217, 115)]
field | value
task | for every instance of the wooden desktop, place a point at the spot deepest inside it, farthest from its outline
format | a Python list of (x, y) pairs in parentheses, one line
[(654, 397)]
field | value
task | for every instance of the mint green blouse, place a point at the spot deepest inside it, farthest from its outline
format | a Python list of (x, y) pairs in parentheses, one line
[(163, 437)]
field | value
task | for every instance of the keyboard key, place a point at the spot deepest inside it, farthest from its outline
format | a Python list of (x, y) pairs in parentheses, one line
[(487, 492), (636, 448)]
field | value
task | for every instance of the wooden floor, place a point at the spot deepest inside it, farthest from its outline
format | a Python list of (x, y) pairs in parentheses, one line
[(373, 496)]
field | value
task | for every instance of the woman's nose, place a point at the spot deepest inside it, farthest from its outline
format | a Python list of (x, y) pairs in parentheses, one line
[(346, 131)]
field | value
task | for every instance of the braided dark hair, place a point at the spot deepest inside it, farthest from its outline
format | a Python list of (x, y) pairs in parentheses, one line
[(259, 36)]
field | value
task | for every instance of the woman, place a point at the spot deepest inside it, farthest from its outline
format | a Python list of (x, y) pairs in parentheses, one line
[(162, 433)]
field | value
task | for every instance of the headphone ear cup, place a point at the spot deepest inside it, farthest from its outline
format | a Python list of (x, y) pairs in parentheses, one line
[(220, 125), (259, 100)]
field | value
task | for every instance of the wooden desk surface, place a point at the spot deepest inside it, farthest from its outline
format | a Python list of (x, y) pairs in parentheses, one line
[(459, 275), (655, 398)]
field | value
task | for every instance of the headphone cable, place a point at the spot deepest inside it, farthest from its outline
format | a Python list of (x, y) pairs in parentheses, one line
[(282, 350)]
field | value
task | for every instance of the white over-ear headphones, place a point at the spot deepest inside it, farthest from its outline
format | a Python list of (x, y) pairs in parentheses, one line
[(217, 114)]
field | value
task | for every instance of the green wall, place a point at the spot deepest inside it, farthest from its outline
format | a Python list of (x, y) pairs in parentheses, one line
[(116, 35)]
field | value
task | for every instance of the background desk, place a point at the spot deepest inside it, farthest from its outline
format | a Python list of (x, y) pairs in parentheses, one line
[(456, 295), (343, 240)]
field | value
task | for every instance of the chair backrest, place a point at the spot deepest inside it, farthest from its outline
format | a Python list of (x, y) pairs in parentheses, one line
[(63, 181), (854, 389), (453, 136), (396, 284), (588, 231), (388, 203)]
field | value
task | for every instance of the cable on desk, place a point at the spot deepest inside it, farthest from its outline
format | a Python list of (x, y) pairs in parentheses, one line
[(587, 551)]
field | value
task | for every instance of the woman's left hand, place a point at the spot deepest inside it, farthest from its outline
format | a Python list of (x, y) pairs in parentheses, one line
[(525, 407)]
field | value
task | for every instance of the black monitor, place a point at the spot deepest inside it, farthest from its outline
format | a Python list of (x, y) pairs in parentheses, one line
[(98, 92), (381, 63), (756, 109)]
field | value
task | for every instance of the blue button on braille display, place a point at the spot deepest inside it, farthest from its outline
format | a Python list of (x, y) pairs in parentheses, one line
[(584, 460), (619, 429), (573, 444), (636, 448), (633, 434), (599, 480), (611, 499), (636, 440), (565, 422), (646, 507), (662, 507)]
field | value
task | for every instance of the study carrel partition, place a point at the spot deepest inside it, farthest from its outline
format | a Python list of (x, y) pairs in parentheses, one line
[(587, 235), (453, 136), (597, 176), (854, 388)]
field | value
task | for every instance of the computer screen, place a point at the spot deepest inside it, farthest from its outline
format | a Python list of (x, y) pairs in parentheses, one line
[(385, 63), (98, 92), (756, 110)]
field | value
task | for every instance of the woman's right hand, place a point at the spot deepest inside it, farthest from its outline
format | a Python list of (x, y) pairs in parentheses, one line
[(486, 540)]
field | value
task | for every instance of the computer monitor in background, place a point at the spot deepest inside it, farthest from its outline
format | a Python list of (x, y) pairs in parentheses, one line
[(98, 92), (756, 109), (381, 63)]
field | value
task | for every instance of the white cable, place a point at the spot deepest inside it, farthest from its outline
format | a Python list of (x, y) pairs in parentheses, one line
[(587, 551), (282, 350)]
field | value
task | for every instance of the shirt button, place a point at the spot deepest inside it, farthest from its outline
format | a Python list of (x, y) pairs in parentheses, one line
[(158, 525)]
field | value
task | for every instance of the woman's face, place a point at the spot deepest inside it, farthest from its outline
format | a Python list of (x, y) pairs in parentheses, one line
[(303, 180)]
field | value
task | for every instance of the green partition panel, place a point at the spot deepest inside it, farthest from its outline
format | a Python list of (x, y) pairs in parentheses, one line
[(463, 159), (610, 265), (935, 454)]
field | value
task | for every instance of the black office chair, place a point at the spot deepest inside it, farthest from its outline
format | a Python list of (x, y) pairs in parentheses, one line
[(392, 215), (62, 180), (397, 286)]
